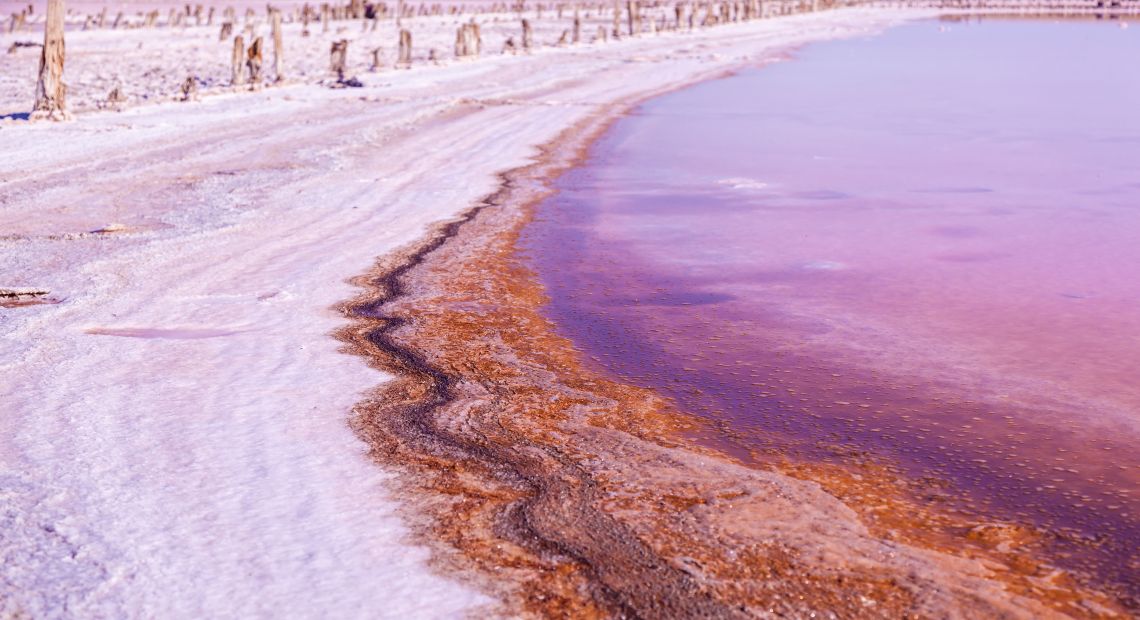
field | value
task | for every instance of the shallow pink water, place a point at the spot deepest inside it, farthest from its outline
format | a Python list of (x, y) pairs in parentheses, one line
[(921, 249)]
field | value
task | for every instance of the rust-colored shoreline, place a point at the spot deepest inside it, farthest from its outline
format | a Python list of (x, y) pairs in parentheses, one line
[(562, 492)]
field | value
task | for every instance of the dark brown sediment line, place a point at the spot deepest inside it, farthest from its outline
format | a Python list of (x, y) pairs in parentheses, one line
[(565, 493)]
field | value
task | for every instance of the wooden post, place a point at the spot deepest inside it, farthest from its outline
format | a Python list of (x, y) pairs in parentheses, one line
[(278, 48), (577, 36), (634, 26), (226, 32), (237, 75), (190, 89), (527, 35), (50, 91), (467, 40), (617, 19), (376, 64), (405, 54), (338, 58), (254, 60)]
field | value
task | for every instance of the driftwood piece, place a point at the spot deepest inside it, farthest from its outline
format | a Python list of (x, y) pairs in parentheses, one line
[(237, 75), (51, 92), (16, 45)]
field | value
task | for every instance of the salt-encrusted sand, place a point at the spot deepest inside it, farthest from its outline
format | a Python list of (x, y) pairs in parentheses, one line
[(175, 411)]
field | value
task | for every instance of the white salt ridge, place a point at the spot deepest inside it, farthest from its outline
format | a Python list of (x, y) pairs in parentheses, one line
[(154, 476), (743, 183)]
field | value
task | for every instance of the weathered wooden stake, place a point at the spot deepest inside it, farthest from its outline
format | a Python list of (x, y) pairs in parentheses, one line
[(237, 76), (468, 42), (338, 58), (50, 90), (254, 59), (405, 54), (527, 35), (190, 89), (577, 36), (278, 48), (226, 32)]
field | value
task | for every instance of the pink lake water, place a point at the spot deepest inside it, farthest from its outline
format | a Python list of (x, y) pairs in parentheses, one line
[(921, 248)]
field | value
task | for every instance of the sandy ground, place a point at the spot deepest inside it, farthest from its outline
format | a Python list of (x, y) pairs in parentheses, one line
[(175, 412)]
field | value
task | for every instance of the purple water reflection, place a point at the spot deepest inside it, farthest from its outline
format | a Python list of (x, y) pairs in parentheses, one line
[(923, 246)]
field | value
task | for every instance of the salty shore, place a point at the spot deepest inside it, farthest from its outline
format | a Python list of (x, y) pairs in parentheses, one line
[(178, 413)]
